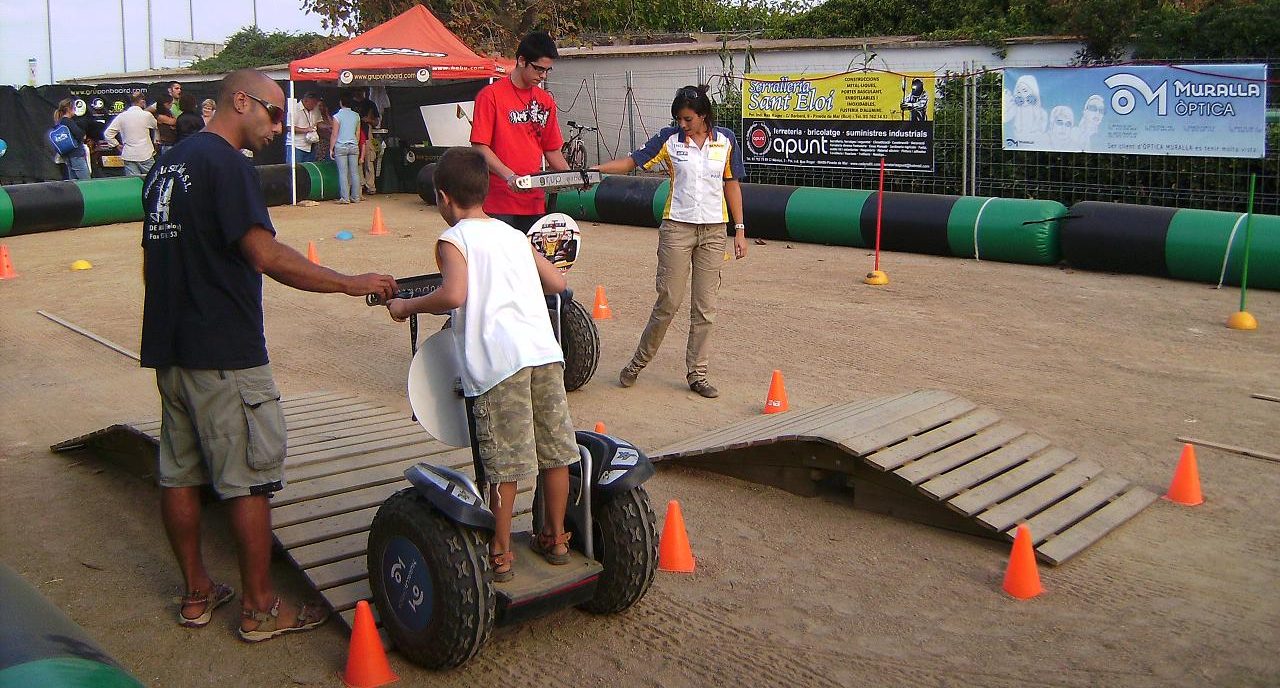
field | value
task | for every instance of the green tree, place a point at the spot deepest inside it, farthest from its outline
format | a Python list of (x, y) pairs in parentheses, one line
[(251, 47), (1221, 30)]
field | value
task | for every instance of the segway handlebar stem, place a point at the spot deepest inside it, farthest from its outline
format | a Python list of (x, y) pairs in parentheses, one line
[(454, 494)]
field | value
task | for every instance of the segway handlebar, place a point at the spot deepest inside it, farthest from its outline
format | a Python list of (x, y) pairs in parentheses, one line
[(410, 287), (554, 181)]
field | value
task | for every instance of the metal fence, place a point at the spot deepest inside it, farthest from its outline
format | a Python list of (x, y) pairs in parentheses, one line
[(969, 159)]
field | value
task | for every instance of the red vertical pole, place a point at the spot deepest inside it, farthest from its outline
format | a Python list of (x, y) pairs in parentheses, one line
[(879, 213)]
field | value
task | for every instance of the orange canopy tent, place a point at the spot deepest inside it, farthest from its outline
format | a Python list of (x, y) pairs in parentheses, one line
[(412, 47)]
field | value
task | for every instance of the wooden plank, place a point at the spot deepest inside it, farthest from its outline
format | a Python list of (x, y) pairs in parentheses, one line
[(1023, 505), (292, 404), (423, 452), (380, 413), (1071, 541), (355, 447), (345, 597), (1091, 497), (343, 482), (334, 432), (1243, 451), (326, 528), (1265, 397), (873, 418), (408, 429), (338, 573), (960, 453), (746, 428), (312, 509), (329, 551), (982, 496), (910, 426), (914, 448), (992, 464), (337, 411), (812, 426)]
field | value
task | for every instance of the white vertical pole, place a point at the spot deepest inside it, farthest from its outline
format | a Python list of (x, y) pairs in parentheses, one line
[(292, 157), (48, 25), (124, 47), (964, 135)]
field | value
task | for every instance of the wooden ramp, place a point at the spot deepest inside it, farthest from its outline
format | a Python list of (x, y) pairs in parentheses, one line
[(932, 457), (345, 457)]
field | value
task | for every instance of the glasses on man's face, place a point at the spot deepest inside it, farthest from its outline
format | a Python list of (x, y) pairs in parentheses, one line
[(275, 113), (542, 71)]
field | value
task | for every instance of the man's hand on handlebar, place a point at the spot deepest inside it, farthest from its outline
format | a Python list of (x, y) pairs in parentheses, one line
[(371, 283)]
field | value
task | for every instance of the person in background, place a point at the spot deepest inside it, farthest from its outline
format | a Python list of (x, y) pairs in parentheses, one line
[(137, 128), (706, 169), (190, 121), (166, 122), (370, 147), (207, 239), (302, 136), (324, 129), (175, 91), (77, 165), (344, 148), (207, 109), (515, 127)]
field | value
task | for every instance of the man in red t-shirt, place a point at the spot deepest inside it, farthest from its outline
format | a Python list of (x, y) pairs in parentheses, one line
[(514, 126)]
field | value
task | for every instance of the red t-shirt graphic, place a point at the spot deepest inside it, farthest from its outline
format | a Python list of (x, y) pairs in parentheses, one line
[(519, 125)]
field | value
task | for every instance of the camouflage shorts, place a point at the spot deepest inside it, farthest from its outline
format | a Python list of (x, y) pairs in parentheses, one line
[(523, 425)]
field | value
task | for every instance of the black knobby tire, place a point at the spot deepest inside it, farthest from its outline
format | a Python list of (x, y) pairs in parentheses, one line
[(463, 600), (626, 544), (580, 341)]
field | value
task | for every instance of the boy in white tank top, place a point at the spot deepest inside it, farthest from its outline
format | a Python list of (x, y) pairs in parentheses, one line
[(512, 366)]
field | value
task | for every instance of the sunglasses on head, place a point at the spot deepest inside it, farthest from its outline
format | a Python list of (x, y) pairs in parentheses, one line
[(689, 92), (274, 112)]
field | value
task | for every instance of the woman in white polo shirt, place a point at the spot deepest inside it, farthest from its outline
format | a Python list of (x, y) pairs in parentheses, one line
[(706, 168)]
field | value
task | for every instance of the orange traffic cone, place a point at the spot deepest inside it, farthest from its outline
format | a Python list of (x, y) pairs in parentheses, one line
[(6, 265), (378, 229), (367, 664), (1022, 578), (1185, 488), (312, 255), (601, 310), (600, 427), (776, 402), (674, 553)]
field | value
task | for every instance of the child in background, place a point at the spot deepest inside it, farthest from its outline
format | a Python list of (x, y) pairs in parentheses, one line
[(512, 366)]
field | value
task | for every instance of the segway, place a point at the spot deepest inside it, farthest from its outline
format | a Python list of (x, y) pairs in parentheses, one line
[(427, 556), (558, 237)]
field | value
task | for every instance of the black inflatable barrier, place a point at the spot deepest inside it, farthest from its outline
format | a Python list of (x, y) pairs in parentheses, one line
[(426, 183), (40, 646), (764, 207), (44, 206), (623, 200), (275, 184), (911, 222), (1116, 237)]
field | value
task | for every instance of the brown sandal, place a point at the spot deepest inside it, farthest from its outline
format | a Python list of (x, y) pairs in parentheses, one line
[(216, 596), (546, 545), (497, 562), (309, 616)]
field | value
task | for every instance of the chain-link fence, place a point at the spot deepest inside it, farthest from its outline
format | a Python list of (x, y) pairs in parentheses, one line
[(969, 159)]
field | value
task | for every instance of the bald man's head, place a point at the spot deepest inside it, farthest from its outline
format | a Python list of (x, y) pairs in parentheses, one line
[(250, 110), (247, 80)]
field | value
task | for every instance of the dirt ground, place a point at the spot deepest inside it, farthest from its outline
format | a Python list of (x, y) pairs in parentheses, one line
[(789, 590)]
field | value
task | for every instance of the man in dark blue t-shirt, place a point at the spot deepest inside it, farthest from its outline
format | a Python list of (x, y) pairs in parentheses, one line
[(207, 240)]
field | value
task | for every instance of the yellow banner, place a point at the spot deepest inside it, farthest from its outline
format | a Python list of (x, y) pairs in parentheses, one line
[(851, 96)]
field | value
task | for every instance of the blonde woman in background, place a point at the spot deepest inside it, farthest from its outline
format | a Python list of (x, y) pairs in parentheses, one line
[(207, 108)]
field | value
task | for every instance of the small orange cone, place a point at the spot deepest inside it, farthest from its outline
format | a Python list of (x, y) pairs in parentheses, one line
[(600, 427), (776, 402), (6, 265), (378, 229), (1022, 578), (311, 253), (367, 665), (674, 553), (601, 310), (1185, 488)]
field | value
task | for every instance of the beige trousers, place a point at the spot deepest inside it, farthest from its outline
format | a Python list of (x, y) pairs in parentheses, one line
[(685, 248)]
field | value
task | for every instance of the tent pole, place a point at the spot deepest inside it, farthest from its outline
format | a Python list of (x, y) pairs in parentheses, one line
[(293, 158)]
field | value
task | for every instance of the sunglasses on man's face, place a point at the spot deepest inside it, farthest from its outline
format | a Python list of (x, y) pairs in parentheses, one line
[(543, 71), (274, 112)]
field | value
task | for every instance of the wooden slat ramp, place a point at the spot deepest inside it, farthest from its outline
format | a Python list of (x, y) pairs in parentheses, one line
[(345, 457), (928, 456)]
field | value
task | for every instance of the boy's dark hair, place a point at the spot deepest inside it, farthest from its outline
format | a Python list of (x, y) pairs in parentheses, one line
[(695, 98), (536, 46), (463, 174), (344, 100)]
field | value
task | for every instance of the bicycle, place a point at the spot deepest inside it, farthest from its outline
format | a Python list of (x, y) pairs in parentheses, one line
[(574, 150)]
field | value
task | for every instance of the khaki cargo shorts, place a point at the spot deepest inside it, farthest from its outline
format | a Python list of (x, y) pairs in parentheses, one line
[(223, 428), (523, 425)]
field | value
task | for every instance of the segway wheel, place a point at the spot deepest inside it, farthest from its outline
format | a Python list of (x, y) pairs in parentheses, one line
[(430, 581), (626, 543), (580, 341)]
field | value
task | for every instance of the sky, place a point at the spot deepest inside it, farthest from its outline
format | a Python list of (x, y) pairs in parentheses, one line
[(87, 33)]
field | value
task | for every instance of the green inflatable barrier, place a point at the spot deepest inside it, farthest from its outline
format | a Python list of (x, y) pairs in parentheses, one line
[(107, 201), (1011, 230), (580, 205), (826, 216), (6, 212), (660, 197), (324, 179), (1208, 246)]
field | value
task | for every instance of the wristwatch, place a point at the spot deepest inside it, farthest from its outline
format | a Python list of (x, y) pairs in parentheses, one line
[(740, 227)]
